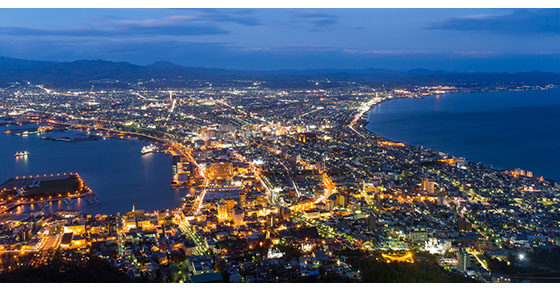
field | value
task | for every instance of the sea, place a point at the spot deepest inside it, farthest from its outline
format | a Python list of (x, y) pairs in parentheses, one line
[(504, 129), (113, 168)]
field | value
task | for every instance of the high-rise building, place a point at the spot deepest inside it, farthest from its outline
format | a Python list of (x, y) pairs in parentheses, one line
[(222, 211), (342, 200), (522, 172), (243, 199), (237, 217), (331, 202), (463, 260), (428, 186), (269, 223)]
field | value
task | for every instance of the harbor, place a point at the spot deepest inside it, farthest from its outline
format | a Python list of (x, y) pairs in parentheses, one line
[(41, 190), (112, 166)]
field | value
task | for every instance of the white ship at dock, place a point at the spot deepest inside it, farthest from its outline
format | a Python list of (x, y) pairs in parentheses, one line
[(148, 149)]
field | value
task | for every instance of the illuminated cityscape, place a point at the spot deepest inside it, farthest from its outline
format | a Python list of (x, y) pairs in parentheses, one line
[(284, 185), (280, 181)]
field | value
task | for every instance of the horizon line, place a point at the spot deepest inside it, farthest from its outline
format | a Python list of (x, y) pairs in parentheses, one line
[(287, 69)]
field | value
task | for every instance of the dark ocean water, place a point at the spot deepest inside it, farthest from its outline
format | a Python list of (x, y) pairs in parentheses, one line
[(506, 130), (114, 169)]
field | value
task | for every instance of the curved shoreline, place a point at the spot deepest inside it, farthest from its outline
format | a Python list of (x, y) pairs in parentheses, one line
[(364, 122), (108, 198)]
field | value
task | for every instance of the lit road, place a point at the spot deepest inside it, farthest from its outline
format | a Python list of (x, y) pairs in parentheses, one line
[(325, 229), (200, 199), (290, 176), (47, 244), (51, 243), (482, 263), (473, 226), (264, 182), (363, 109), (329, 188), (201, 244)]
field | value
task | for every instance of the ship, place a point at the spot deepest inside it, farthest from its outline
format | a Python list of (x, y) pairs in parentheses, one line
[(148, 149), (21, 154)]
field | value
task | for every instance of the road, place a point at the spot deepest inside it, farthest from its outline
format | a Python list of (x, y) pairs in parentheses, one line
[(364, 108), (201, 244), (325, 229), (330, 188), (51, 243), (180, 148)]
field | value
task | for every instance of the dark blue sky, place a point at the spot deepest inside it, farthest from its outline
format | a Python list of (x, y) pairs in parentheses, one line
[(449, 39)]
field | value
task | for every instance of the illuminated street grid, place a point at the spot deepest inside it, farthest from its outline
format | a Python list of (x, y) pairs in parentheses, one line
[(281, 183)]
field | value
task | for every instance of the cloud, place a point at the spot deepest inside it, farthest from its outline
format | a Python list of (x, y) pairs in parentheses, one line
[(239, 16), (518, 21), (379, 53), (174, 25), (315, 20), (188, 23), (171, 25), (122, 29), (459, 53)]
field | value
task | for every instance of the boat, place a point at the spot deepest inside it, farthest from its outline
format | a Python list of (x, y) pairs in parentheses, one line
[(21, 154), (148, 149), (25, 133)]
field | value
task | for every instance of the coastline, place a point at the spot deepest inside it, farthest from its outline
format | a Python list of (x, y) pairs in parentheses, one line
[(111, 203), (363, 122)]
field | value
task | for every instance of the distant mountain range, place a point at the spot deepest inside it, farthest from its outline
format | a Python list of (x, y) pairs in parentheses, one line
[(87, 72)]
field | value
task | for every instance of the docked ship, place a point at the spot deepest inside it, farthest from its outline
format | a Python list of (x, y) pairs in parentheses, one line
[(148, 149), (21, 154)]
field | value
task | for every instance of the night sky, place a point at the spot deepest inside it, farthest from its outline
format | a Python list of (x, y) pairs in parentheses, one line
[(494, 40)]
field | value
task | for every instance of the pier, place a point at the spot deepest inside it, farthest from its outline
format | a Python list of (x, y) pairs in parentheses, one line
[(41, 189)]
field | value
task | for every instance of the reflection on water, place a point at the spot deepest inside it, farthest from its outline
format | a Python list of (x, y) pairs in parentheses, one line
[(113, 168), (506, 130)]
